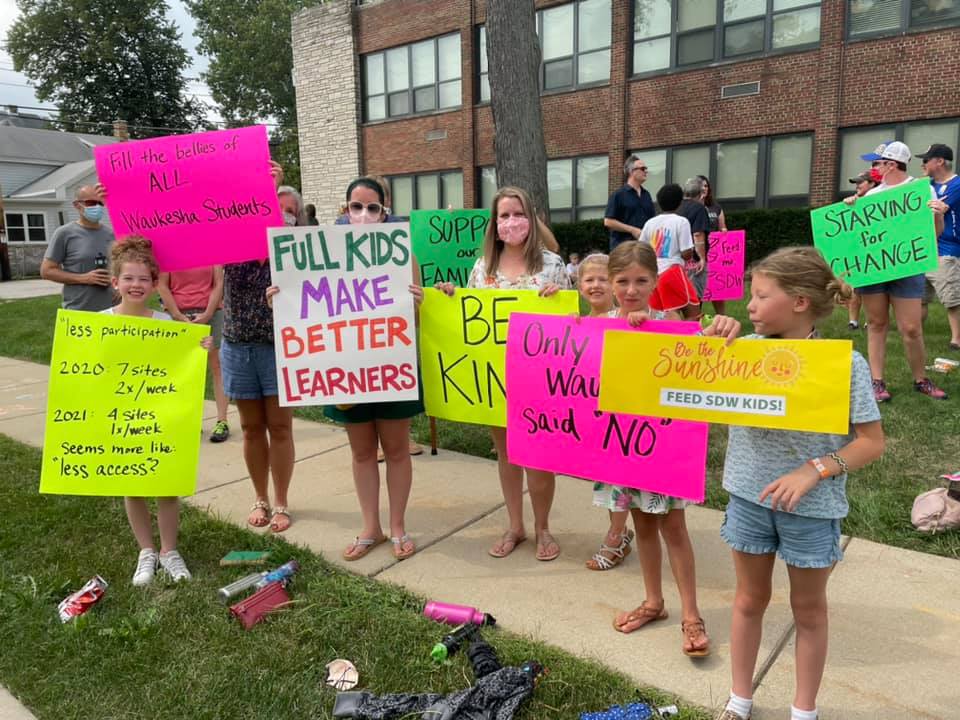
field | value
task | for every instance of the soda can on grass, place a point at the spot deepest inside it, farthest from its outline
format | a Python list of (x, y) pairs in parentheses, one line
[(78, 603)]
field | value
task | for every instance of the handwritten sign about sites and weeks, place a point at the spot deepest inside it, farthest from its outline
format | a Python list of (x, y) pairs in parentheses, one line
[(783, 384), (463, 349), (553, 377), (725, 260), (124, 406), (884, 236), (447, 243), (202, 199), (344, 317)]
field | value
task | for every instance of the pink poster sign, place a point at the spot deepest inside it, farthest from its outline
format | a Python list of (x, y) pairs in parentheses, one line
[(202, 199), (725, 260), (553, 382)]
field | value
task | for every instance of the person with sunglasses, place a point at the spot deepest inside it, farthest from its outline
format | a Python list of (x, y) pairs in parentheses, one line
[(629, 208), (78, 255)]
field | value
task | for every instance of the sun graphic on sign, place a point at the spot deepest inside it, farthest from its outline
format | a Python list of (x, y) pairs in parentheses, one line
[(782, 366)]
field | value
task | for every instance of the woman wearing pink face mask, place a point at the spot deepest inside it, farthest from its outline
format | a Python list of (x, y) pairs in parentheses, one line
[(514, 259), (373, 425)]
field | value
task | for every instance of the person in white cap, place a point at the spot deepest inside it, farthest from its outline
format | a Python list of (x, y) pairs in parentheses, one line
[(905, 295)]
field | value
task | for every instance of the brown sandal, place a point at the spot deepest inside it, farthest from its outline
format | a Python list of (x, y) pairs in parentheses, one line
[(638, 617), (696, 642)]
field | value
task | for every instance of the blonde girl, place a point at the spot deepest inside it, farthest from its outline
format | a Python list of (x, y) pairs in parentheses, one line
[(633, 275), (514, 258), (788, 488), (135, 275)]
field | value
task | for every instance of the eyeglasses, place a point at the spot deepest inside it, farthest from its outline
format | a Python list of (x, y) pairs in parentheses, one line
[(90, 203), (356, 208)]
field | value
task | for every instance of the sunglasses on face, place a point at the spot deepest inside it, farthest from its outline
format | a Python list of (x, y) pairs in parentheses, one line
[(356, 208), (89, 203)]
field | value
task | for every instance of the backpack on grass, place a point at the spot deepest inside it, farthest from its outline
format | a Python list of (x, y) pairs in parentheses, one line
[(939, 509)]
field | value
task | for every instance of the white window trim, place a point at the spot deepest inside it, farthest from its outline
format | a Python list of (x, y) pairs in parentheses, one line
[(25, 228)]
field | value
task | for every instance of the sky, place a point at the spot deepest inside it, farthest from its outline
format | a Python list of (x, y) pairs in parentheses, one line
[(14, 87)]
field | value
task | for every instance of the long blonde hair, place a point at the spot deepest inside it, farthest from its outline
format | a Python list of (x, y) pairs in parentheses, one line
[(493, 245), (802, 271)]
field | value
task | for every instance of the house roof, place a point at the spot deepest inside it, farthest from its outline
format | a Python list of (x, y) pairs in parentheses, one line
[(19, 144), (49, 183)]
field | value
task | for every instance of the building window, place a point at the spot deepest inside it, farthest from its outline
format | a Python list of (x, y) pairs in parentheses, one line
[(760, 172), (412, 79), (26, 227), (577, 188), (488, 185), (574, 47), (918, 136), (430, 191), (707, 31), (876, 17)]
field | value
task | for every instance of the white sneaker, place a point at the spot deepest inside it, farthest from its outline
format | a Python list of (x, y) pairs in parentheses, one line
[(173, 564), (146, 567)]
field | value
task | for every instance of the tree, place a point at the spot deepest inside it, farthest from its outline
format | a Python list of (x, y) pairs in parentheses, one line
[(513, 59), (105, 60), (251, 67)]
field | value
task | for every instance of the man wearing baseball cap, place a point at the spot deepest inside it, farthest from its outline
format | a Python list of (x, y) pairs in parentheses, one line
[(945, 280), (905, 295)]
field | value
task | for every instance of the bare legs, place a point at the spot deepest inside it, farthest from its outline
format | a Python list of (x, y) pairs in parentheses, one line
[(267, 449)]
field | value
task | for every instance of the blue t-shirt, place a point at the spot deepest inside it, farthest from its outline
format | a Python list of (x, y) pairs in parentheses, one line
[(949, 241), (629, 207), (758, 456)]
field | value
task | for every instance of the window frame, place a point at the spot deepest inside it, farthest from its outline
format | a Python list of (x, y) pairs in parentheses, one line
[(541, 70), (905, 26), (576, 207), (899, 132), (719, 37), (25, 226), (411, 89), (438, 177), (762, 197)]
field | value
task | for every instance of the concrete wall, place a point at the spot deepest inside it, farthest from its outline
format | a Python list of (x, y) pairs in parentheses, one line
[(327, 82)]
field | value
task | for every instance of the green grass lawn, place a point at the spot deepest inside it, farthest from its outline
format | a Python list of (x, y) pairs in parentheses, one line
[(923, 435), (175, 652)]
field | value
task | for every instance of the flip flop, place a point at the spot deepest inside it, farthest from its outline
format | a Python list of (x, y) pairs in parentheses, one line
[(261, 521), (279, 510), (398, 542), (508, 543), (638, 617), (360, 547), (544, 541)]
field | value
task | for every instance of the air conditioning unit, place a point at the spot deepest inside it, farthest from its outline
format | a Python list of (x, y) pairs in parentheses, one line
[(728, 92)]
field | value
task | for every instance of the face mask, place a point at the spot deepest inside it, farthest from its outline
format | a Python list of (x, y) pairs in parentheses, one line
[(513, 230), (289, 219), (93, 213)]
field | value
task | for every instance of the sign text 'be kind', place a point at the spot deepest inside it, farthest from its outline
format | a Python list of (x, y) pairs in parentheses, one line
[(344, 324)]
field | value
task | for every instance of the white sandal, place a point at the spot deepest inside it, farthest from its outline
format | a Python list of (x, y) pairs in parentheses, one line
[(599, 561)]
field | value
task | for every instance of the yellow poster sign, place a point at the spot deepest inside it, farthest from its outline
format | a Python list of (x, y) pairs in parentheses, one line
[(782, 384), (463, 349), (124, 406)]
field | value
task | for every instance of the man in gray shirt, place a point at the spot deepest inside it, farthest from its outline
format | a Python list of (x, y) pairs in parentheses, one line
[(79, 255)]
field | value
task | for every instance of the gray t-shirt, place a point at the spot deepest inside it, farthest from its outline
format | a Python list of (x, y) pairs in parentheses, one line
[(76, 248), (758, 456)]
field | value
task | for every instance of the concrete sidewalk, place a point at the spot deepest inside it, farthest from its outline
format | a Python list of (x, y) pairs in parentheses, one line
[(895, 614), (20, 289)]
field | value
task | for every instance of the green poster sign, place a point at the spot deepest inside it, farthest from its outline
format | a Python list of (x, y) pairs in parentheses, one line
[(885, 236), (447, 243)]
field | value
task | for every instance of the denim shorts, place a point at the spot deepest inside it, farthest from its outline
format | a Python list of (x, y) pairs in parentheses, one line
[(911, 288), (249, 370), (800, 541)]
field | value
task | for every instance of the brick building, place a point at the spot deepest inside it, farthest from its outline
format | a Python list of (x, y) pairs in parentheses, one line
[(773, 99)]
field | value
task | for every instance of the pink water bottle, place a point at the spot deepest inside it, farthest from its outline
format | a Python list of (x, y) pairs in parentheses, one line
[(456, 614)]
